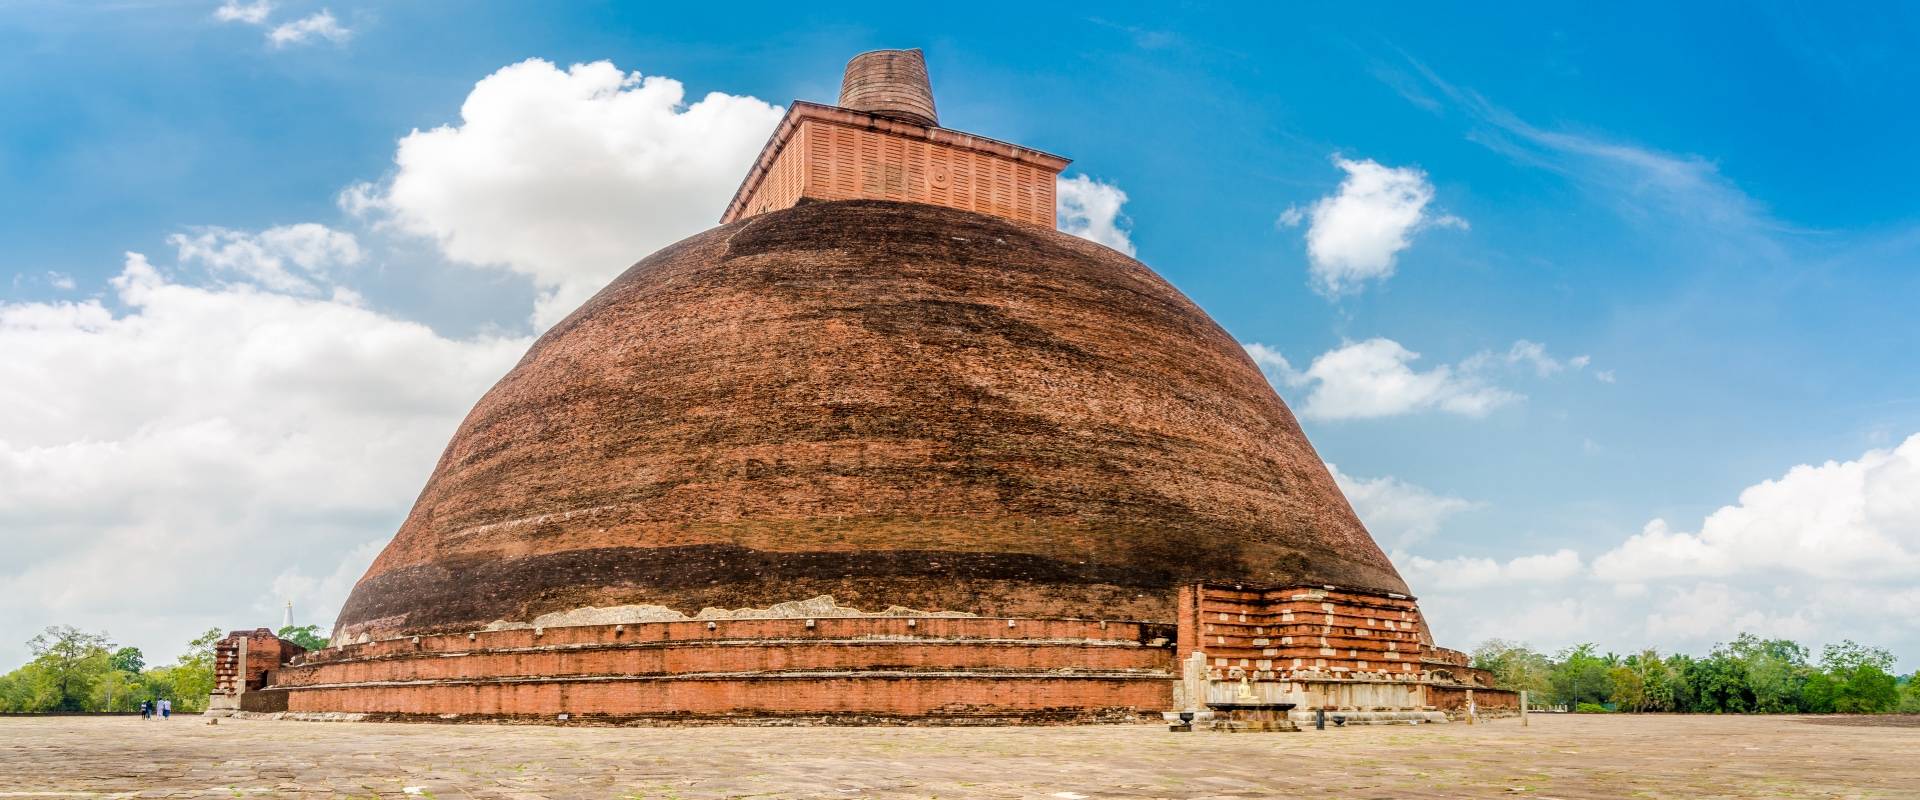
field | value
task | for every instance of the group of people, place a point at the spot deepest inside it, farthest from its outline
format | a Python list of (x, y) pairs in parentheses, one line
[(162, 707)]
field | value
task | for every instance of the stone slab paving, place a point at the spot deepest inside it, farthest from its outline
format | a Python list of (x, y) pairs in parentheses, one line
[(1556, 757)]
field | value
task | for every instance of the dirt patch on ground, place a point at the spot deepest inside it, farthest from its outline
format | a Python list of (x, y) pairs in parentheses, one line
[(1867, 720)]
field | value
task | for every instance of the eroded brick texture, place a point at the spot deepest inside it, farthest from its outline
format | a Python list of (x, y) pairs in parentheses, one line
[(1325, 648), (889, 403), (1270, 631), (828, 153), (953, 669), (235, 672)]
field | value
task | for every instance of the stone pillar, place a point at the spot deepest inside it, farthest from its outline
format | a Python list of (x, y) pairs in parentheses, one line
[(1193, 682)]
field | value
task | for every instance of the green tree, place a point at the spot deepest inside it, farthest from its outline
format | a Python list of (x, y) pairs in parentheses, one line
[(1816, 697), (1629, 688), (1867, 690), (1849, 655), (1862, 678), (307, 636), (1514, 666), (1910, 695), (24, 690), (72, 661), (128, 659), (1719, 684), (1580, 676), (189, 682), (1660, 682), (117, 690), (1683, 697), (1776, 670)]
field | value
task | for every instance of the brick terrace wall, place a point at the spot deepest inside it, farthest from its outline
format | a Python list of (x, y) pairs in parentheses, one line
[(1490, 702), (953, 668), (1268, 630), (827, 153)]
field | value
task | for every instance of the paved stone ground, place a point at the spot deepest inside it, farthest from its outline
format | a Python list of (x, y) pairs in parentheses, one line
[(1558, 756)]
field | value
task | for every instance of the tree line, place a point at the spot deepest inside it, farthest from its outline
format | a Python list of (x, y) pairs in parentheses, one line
[(1749, 675), (80, 671)]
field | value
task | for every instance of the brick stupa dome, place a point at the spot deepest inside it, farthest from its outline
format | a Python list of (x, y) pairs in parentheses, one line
[(894, 404), (884, 446)]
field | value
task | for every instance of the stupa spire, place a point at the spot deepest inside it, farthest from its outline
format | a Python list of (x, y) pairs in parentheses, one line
[(891, 84), (883, 141)]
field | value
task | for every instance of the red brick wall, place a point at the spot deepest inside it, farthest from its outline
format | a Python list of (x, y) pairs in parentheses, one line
[(1300, 627), (831, 153), (866, 666), (265, 652), (1491, 702)]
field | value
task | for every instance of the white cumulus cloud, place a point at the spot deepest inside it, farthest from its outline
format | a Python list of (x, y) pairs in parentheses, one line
[(1822, 553), (1091, 210), (1375, 378), (169, 450), (1473, 573), (1841, 520), (288, 258), (1356, 234), (569, 176), (1398, 513)]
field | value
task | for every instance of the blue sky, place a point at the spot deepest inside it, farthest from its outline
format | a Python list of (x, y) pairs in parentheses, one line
[(1660, 258)]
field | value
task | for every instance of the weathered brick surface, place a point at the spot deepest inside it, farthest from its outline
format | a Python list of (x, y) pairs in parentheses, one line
[(1044, 697), (828, 153), (745, 646), (264, 653), (1278, 629), (1008, 670), (1490, 702), (895, 404), (890, 83), (796, 630)]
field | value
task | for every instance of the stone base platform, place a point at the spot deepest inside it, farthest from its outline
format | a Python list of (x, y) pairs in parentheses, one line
[(848, 670), (1306, 718)]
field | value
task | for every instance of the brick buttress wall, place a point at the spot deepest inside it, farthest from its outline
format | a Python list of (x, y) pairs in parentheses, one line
[(1264, 631)]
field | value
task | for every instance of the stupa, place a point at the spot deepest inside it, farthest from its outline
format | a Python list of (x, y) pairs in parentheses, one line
[(884, 445)]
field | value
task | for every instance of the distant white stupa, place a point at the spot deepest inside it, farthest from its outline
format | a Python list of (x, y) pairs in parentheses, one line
[(286, 620)]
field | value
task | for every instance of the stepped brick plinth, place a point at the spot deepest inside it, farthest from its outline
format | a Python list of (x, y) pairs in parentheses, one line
[(956, 670)]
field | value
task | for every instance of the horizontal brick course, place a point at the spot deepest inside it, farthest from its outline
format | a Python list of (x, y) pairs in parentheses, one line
[(884, 666), (1040, 697)]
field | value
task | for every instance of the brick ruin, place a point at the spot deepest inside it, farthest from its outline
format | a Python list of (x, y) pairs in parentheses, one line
[(885, 446), (244, 666), (1363, 654)]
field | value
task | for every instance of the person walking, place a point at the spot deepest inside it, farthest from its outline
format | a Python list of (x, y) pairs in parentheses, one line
[(146, 710), (166, 708)]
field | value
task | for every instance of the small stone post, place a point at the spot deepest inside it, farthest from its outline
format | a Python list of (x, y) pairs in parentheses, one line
[(1194, 678), (1471, 711), (240, 671), (1523, 708)]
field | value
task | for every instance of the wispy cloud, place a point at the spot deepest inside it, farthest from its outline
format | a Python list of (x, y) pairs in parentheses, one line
[(254, 13), (1640, 183), (320, 25)]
